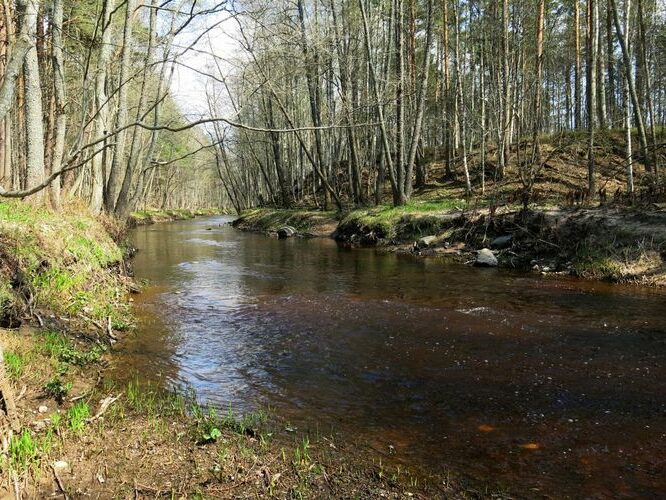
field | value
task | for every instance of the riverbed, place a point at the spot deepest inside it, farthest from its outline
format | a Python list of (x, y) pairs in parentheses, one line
[(541, 386)]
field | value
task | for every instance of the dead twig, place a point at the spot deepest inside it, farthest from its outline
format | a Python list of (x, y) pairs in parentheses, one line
[(22, 393), (104, 405), (109, 329), (17, 486)]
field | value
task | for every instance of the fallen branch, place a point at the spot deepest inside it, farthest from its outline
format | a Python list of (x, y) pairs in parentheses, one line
[(106, 402), (17, 486), (109, 328), (22, 393)]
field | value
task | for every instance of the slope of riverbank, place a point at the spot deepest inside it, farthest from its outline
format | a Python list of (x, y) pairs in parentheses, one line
[(153, 216), (604, 243), (69, 430), (82, 435), (60, 269), (306, 223)]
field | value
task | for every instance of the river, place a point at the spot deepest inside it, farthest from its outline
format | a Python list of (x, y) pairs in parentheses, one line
[(545, 387)]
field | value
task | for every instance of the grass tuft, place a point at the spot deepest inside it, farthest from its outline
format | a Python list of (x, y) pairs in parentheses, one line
[(14, 364), (77, 416)]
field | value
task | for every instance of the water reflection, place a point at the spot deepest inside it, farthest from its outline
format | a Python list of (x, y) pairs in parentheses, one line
[(549, 386)]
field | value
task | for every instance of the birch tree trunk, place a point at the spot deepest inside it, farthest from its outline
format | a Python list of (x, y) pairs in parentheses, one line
[(627, 108), (591, 91), (578, 75)]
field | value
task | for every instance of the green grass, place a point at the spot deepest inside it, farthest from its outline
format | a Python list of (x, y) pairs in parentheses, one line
[(23, 451), (63, 259), (267, 219), (14, 364), (77, 416), (594, 263), (61, 348), (158, 214), (416, 219)]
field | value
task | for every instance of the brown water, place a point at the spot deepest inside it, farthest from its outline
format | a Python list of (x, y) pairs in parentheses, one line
[(548, 387)]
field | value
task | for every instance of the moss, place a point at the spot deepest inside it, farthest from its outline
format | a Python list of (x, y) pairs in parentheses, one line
[(622, 259), (416, 219), (62, 261), (266, 219), (153, 215), (594, 263)]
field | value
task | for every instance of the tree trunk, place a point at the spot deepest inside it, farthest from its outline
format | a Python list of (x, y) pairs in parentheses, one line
[(627, 108), (34, 116), (503, 153), (460, 97), (119, 164), (418, 121), (101, 118), (399, 102), (626, 58), (379, 106), (578, 114), (591, 91), (122, 205), (59, 95)]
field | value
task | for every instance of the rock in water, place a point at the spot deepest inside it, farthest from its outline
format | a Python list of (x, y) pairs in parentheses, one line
[(502, 241), (426, 241), (286, 232), (485, 258)]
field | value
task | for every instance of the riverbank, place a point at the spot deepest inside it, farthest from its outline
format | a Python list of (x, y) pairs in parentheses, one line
[(70, 430), (82, 435), (306, 223), (154, 216), (602, 243)]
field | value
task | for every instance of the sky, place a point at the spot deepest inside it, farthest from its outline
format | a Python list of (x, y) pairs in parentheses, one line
[(188, 86)]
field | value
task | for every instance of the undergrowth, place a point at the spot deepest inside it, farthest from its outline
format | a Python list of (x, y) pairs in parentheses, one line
[(59, 262), (413, 220)]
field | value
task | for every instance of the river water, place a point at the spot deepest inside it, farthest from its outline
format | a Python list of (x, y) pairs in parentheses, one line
[(546, 387)]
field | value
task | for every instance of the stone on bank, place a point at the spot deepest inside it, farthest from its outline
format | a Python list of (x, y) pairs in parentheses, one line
[(485, 258)]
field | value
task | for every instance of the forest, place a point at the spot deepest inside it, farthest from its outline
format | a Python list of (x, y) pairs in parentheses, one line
[(87, 112), (384, 99), (336, 103)]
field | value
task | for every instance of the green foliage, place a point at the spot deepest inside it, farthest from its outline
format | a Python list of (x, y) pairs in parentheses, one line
[(14, 364), (77, 416), (57, 389), (207, 426), (23, 451), (416, 219), (302, 453), (59, 347), (593, 262), (266, 219), (56, 420), (62, 260), (150, 216)]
